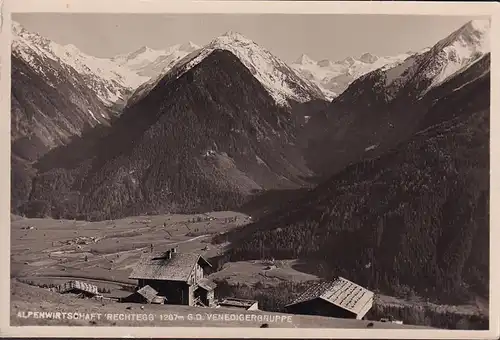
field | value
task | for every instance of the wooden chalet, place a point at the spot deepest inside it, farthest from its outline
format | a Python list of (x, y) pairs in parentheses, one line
[(179, 277), (339, 298)]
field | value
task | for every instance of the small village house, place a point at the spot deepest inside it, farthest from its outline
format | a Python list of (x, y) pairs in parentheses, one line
[(77, 287), (179, 277), (339, 298), (235, 303)]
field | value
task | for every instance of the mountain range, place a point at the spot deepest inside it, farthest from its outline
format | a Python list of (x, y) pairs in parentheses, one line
[(150, 63), (232, 140), (335, 77), (368, 117), (386, 180)]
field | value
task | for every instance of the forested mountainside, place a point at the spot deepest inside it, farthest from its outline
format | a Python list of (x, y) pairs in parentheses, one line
[(203, 141), (420, 210)]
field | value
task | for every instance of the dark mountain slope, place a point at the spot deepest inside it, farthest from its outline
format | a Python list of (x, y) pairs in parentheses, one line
[(418, 211), (204, 141)]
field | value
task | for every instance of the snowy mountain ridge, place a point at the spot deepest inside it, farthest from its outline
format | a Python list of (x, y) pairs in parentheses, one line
[(279, 79), (108, 80), (334, 77), (148, 62), (446, 58)]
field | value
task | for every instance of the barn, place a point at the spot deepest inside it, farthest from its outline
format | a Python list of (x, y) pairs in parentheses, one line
[(179, 277), (339, 298)]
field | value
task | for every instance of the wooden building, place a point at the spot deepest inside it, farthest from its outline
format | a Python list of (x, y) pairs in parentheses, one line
[(234, 303), (77, 287), (206, 292), (179, 277), (145, 294), (339, 298)]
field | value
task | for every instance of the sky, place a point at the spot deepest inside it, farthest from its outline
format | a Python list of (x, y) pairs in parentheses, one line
[(288, 36)]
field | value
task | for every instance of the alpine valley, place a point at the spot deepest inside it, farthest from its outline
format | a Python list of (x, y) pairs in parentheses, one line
[(374, 167)]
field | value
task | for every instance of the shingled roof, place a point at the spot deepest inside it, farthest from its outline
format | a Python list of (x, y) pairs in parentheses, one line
[(340, 292), (148, 293), (159, 266), (207, 284), (78, 286)]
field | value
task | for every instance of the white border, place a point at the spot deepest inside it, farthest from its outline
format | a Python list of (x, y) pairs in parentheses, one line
[(286, 7)]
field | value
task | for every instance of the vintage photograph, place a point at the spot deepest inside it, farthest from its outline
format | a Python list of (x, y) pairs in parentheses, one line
[(250, 170)]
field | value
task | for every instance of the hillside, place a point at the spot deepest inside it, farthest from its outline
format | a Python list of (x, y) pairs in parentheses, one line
[(417, 211), (383, 108), (203, 141)]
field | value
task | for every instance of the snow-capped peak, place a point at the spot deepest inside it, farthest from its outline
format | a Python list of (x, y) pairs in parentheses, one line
[(348, 60), (279, 79), (188, 47), (334, 77), (305, 60), (479, 25), (368, 58), (432, 67), (233, 36), (17, 28), (140, 56), (474, 36), (462, 47), (150, 62), (325, 63)]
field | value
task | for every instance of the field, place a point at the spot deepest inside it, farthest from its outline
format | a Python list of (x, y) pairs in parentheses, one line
[(108, 250)]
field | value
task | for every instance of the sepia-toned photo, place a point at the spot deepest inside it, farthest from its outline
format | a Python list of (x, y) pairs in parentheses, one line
[(255, 170)]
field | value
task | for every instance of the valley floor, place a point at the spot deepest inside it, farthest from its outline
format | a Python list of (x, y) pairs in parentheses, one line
[(47, 252)]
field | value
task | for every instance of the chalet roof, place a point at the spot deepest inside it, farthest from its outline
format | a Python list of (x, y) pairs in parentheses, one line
[(148, 293), (207, 284), (340, 292), (234, 302), (159, 266), (159, 299), (77, 285)]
